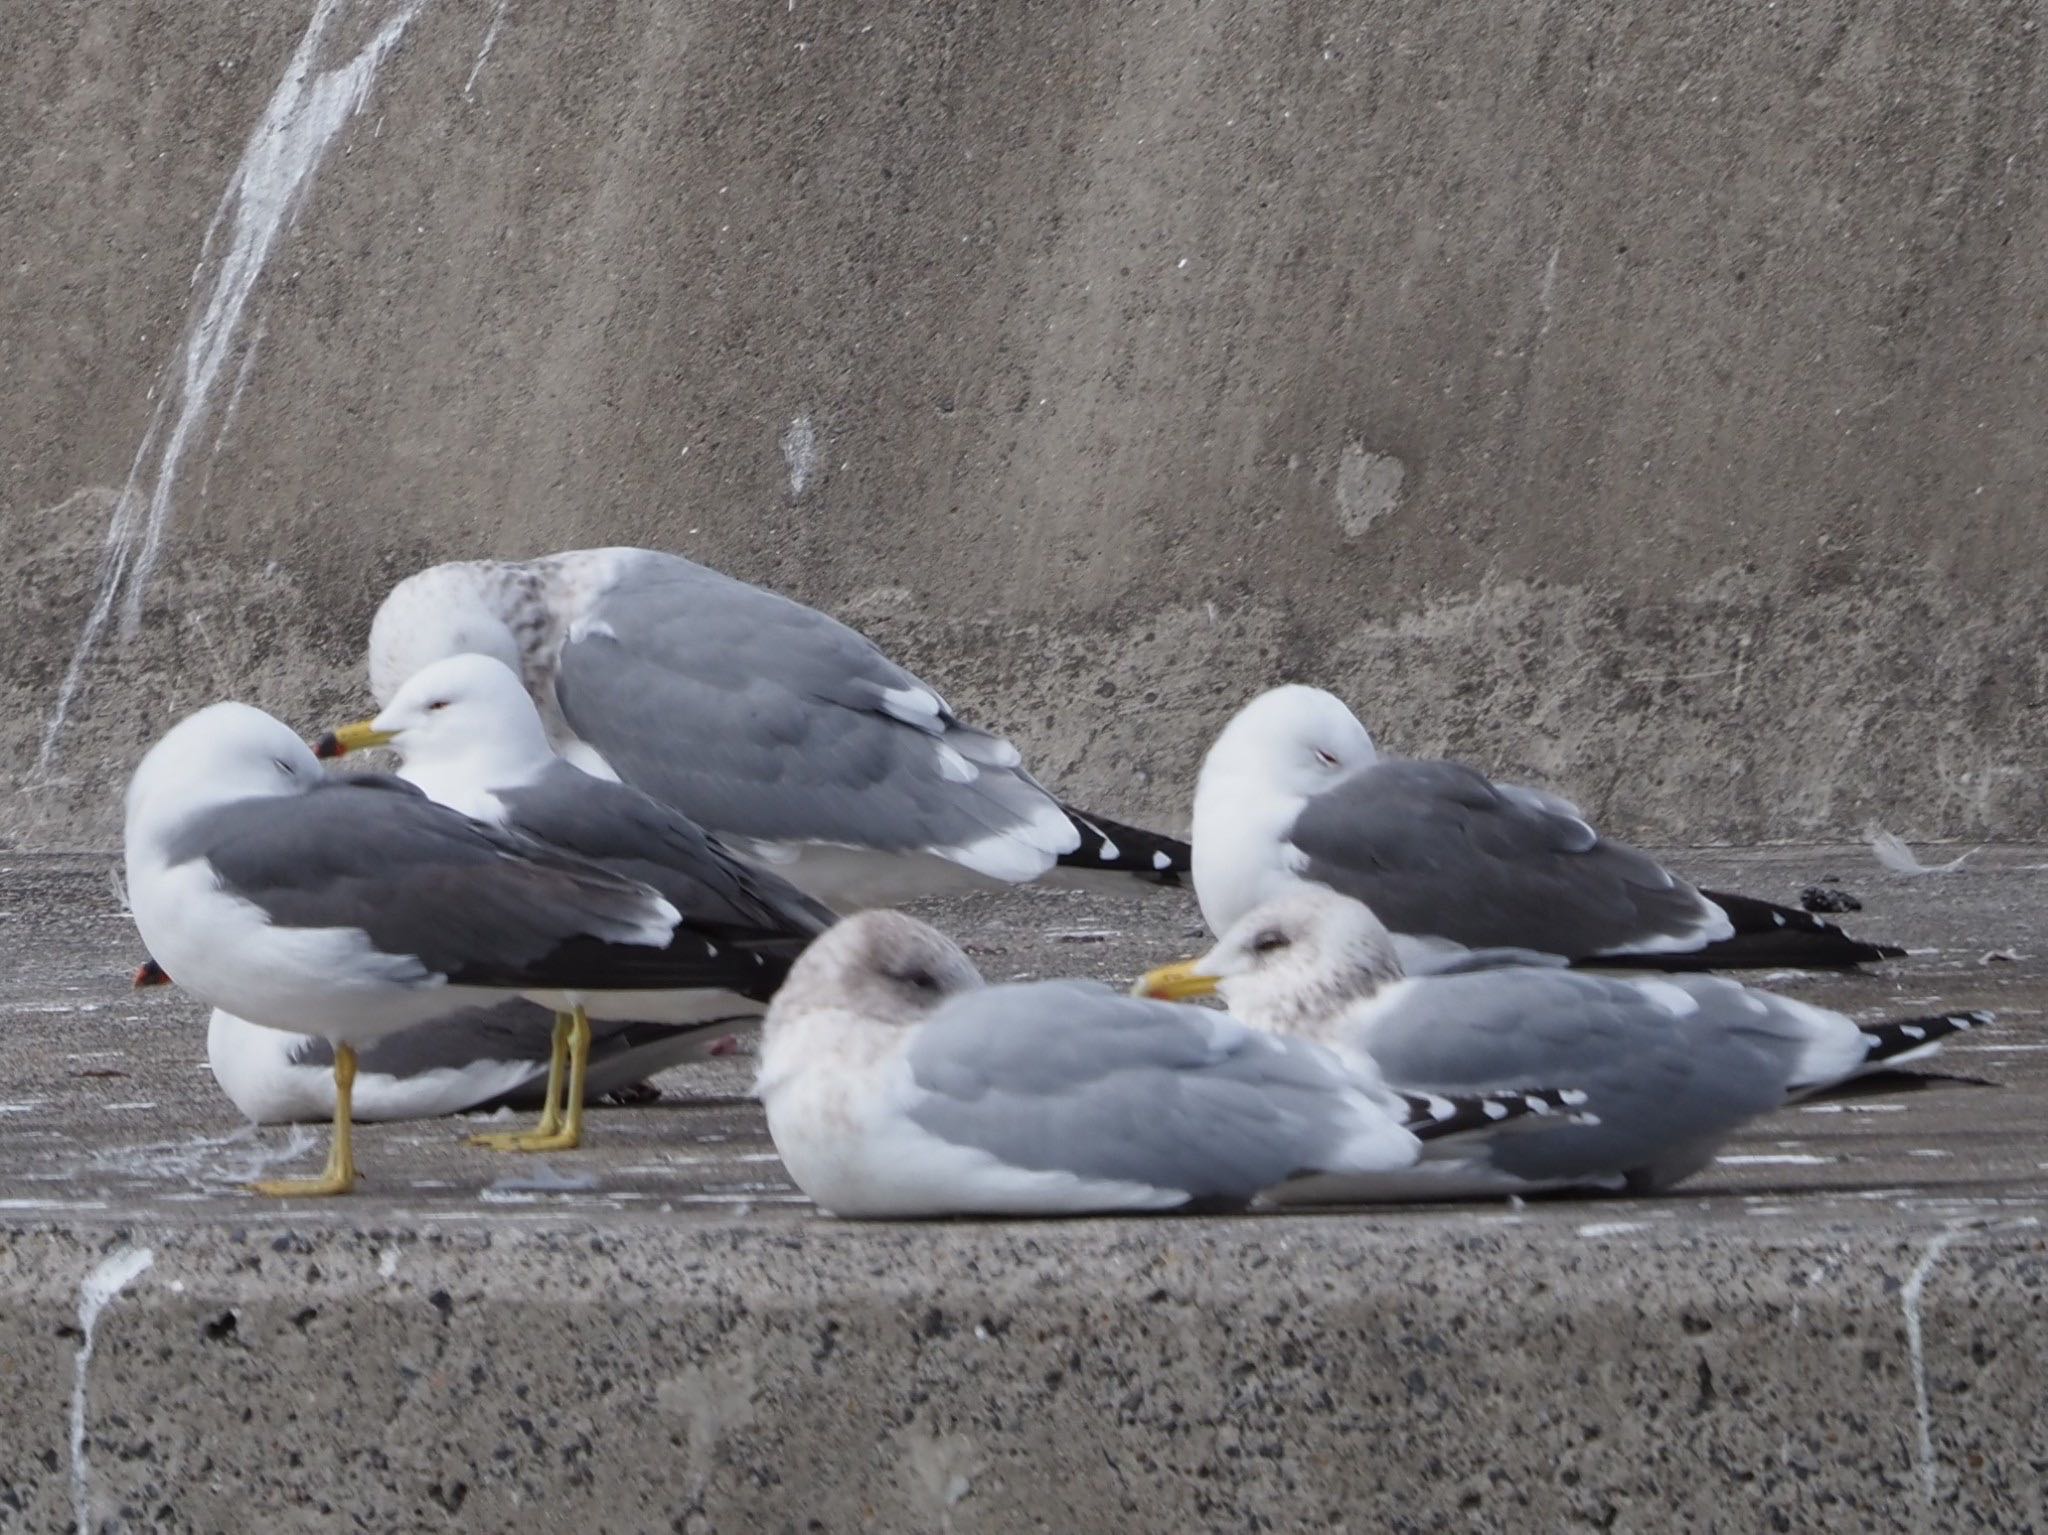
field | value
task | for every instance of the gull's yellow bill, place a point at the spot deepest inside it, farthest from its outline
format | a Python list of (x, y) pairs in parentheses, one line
[(1175, 983), (343, 739)]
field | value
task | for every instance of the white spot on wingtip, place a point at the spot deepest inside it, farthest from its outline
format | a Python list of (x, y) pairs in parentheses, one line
[(1109, 853), (1161, 861)]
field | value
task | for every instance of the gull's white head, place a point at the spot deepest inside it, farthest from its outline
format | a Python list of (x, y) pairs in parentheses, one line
[(469, 707), (222, 753), (1292, 964), (881, 967), (468, 608), (1293, 739), (1283, 748)]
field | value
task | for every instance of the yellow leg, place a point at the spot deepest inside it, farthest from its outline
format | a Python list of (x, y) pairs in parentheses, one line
[(561, 1120), (340, 1174)]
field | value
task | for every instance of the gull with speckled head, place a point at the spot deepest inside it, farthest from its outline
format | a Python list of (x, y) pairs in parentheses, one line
[(1671, 1064), (472, 740), (354, 908), (1294, 792), (782, 732), (898, 1084)]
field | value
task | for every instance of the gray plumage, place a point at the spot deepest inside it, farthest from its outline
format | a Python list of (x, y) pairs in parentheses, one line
[(766, 720), (1068, 1076), (1666, 1085), (1437, 849), (641, 839)]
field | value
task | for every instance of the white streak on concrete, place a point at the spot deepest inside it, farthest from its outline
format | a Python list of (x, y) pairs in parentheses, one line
[(483, 53), (114, 1275), (800, 452), (305, 114), (1784, 1158), (1612, 1228), (1909, 1301)]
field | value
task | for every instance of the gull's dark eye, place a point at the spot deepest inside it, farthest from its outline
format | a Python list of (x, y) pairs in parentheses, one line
[(1270, 940), (439, 703), (923, 980)]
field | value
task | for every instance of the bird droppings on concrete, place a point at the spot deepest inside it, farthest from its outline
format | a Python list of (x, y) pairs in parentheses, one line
[(1368, 487)]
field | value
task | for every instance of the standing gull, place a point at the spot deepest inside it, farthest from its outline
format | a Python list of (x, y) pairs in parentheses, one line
[(1671, 1065), (1293, 791), (354, 908), (898, 1084), (779, 730), (472, 740)]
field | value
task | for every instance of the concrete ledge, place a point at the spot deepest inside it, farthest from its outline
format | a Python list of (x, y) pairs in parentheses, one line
[(1550, 1371)]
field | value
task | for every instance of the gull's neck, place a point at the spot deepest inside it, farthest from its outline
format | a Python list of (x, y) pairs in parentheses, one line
[(1240, 831)]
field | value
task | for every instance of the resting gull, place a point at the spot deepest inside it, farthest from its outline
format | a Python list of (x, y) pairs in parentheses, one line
[(898, 1084), (477, 1058), (779, 730), (1293, 791), (472, 740), (353, 908), (1671, 1065)]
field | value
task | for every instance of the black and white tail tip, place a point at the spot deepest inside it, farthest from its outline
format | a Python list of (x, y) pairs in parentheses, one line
[(1432, 1116), (1107, 844), (1906, 1039)]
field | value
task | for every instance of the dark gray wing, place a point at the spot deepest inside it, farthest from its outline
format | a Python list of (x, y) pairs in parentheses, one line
[(636, 836), (1068, 1076), (512, 1031), (1665, 1062), (764, 719), (1438, 850), (477, 905)]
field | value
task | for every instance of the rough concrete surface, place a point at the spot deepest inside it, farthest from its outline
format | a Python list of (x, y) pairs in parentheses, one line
[(1839, 1327), (1643, 399)]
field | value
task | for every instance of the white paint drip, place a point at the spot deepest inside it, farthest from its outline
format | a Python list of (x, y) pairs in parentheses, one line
[(263, 198), (800, 452), (113, 1275), (483, 53), (1909, 1300)]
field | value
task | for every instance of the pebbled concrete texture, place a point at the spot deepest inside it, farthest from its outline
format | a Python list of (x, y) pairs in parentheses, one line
[(1839, 1326), (1644, 402)]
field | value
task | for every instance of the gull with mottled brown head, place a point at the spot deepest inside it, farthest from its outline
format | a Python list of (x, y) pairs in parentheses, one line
[(781, 731), (897, 1083), (1671, 1064)]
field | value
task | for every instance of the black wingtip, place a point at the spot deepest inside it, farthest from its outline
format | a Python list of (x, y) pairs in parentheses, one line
[(1767, 937), (1434, 1116), (1115, 847), (1900, 1038)]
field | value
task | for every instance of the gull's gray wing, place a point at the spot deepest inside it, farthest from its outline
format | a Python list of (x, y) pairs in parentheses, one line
[(1438, 850), (1068, 1076), (512, 1032), (763, 719), (476, 905), (1668, 1064), (636, 836)]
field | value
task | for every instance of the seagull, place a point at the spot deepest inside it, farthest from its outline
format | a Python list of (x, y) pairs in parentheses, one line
[(1292, 791), (472, 740), (1671, 1065), (353, 908), (782, 732), (897, 1083), (478, 1058)]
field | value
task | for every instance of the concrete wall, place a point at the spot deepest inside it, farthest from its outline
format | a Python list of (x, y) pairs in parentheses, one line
[(1347, 1374), (1645, 400)]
